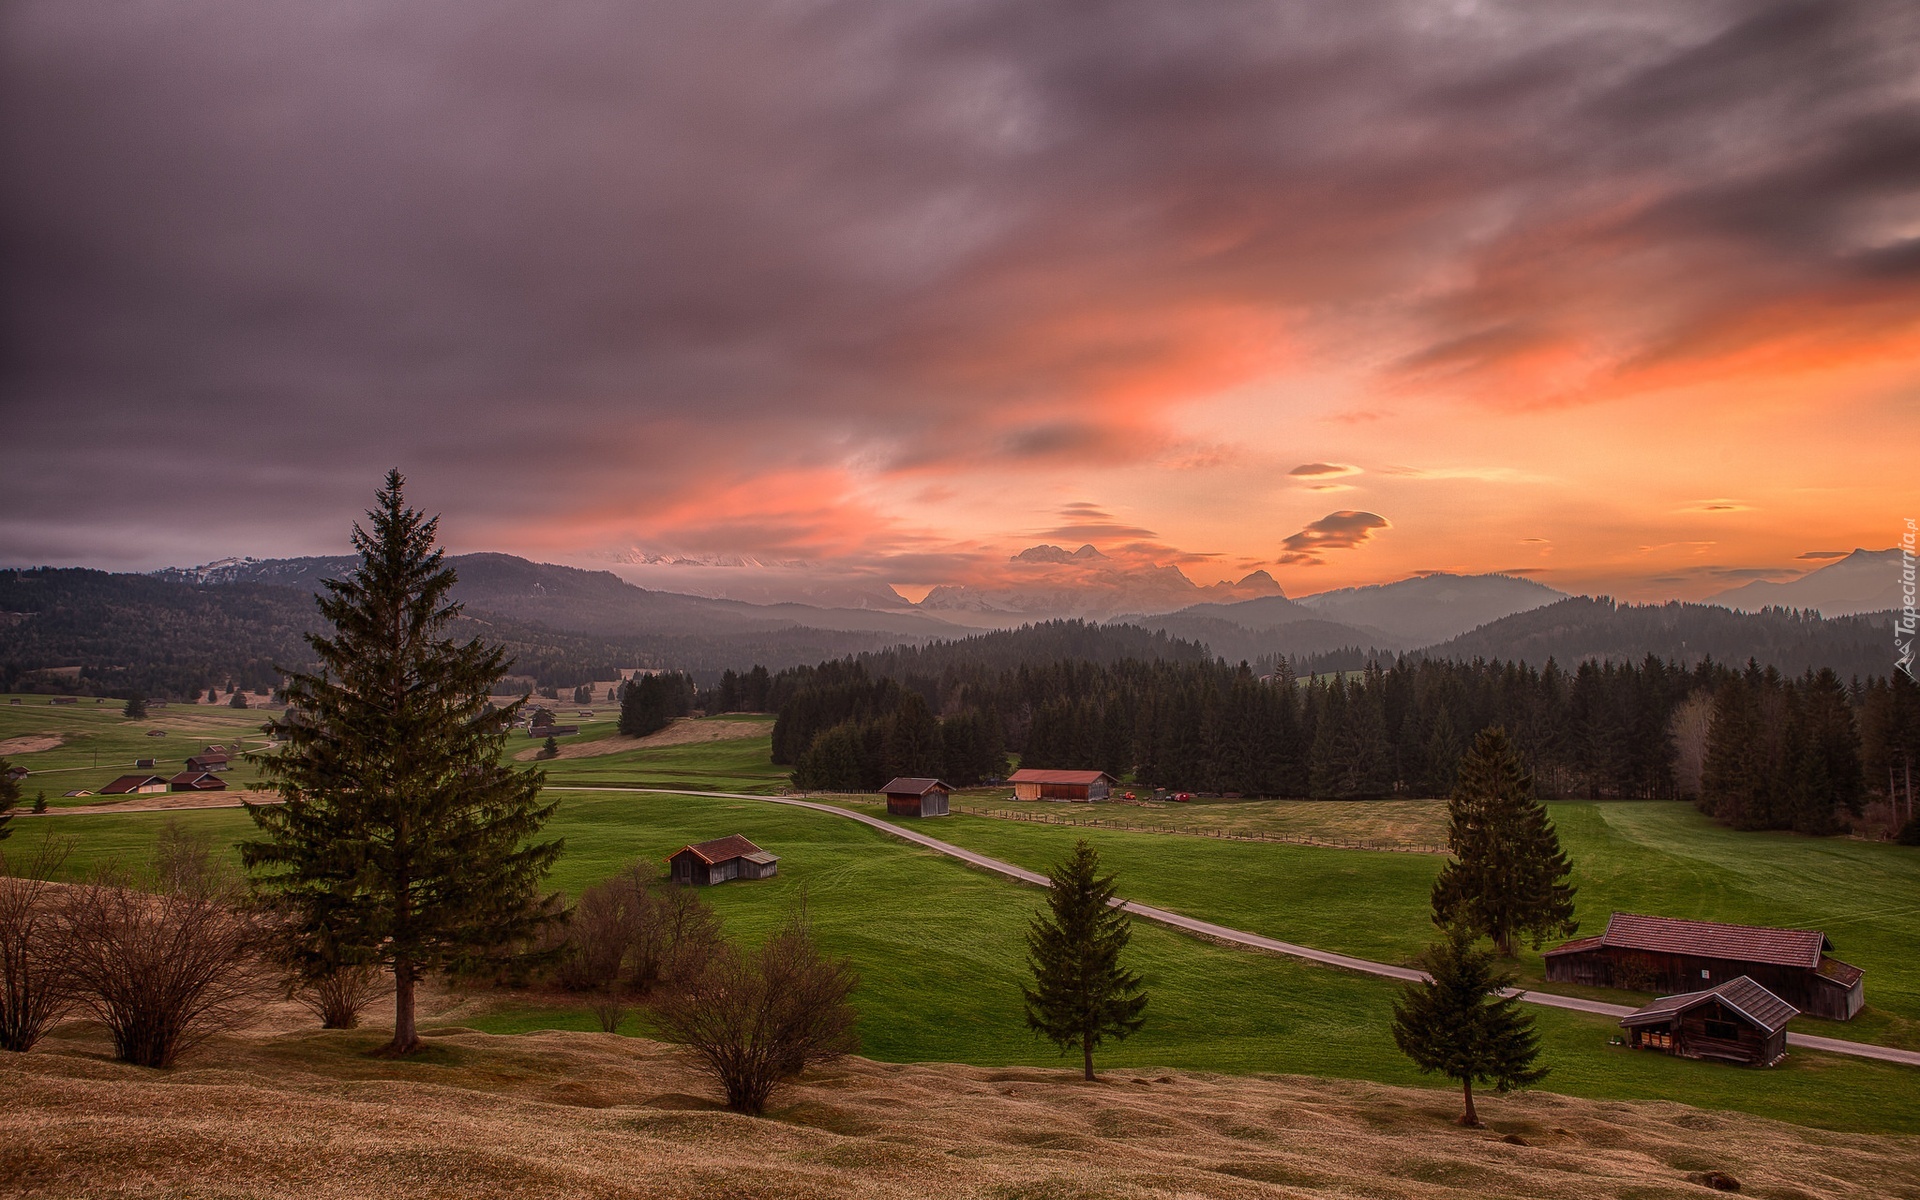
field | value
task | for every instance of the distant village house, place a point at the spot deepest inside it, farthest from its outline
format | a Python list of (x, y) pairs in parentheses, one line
[(1662, 954), (209, 762), (1738, 1021), (130, 785), (1061, 785), (916, 798), (731, 857)]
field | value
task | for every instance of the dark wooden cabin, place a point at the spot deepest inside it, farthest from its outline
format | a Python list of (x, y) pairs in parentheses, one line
[(1738, 1021), (197, 781), (730, 857), (130, 785), (213, 761), (1639, 953), (1061, 785), (916, 798)]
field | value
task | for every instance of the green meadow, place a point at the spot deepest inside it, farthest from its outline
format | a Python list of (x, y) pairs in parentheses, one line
[(940, 950)]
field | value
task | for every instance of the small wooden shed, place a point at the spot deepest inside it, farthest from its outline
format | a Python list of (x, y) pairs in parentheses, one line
[(730, 857), (130, 785), (215, 761), (1738, 1021), (1033, 784), (916, 798), (197, 781)]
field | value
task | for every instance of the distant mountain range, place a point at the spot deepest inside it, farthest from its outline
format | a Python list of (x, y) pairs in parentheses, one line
[(1862, 582), (237, 617)]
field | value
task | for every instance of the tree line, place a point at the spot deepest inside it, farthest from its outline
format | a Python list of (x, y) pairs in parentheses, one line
[(1753, 747)]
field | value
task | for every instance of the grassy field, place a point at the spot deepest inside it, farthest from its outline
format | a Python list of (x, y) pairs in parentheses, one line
[(96, 744), (939, 948), (1410, 824), (1656, 857)]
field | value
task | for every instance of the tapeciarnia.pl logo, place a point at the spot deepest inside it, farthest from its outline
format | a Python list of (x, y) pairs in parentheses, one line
[(1905, 624)]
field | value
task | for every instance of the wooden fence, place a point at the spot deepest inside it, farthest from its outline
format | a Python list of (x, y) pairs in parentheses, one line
[(1297, 839)]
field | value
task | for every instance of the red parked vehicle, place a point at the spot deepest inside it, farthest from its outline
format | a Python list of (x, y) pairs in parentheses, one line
[(1182, 797)]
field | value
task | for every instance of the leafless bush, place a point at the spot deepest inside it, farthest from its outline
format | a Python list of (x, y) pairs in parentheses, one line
[(628, 934), (164, 970), (755, 1019), (184, 861), (338, 995), (35, 988)]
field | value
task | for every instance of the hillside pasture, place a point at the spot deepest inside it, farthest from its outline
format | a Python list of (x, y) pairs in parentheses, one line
[(85, 746), (940, 951)]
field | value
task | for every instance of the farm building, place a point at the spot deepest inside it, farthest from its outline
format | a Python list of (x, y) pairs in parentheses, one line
[(145, 764), (730, 857), (16, 774), (208, 762), (197, 781), (129, 785), (1738, 1020), (76, 793), (64, 700), (1661, 954), (1061, 785), (547, 731), (916, 798)]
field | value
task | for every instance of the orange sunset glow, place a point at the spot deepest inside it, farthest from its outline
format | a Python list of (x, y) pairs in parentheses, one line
[(1629, 304)]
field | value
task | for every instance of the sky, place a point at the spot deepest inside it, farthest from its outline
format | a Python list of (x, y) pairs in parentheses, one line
[(1624, 297)]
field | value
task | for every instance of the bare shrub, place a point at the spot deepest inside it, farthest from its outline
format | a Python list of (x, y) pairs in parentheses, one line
[(340, 994), (629, 933), (35, 987), (164, 970), (755, 1019)]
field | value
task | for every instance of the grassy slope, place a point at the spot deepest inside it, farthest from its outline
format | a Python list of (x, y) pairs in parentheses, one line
[(1646, 857), (99, 744), (939, 948)]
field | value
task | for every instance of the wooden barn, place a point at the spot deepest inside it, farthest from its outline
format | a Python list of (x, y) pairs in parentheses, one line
[(730, 857), (197, 781), (209, 762), (1738, 1020), (130, 785), (1640, 953), (1061, 785), (547, 731), (916, 798)]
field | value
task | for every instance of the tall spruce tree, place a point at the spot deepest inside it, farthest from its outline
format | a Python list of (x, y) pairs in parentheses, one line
[(1081, 993), (403, 839), (1508, 875), (1458, 1023)]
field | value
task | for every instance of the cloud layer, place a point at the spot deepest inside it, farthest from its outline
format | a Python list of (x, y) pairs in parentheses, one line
[(887, 285)]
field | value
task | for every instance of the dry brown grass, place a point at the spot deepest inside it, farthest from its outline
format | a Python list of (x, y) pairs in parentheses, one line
[(684, 731), (309, 1114), (171, 801), (30, 744)]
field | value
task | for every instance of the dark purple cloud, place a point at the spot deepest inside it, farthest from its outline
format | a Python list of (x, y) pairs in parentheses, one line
[(1343, 530), (560, 259)]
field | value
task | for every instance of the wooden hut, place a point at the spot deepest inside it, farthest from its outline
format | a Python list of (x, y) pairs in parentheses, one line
[(130, 785), (1738, 1020), (916, 798), (730, 857), (1070, 786), (212, 761), (1662, 954), (197, 781)]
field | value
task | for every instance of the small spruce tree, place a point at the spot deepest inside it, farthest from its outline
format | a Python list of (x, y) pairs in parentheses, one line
[(1458, 1024), (1508, 875), (136, 707), (551, 749), (9, 796), (1081, 993), (403, 839)]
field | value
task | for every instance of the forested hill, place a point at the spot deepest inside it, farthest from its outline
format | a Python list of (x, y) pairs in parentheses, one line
[(1584, 627), (167, 638), (1032, 645)]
